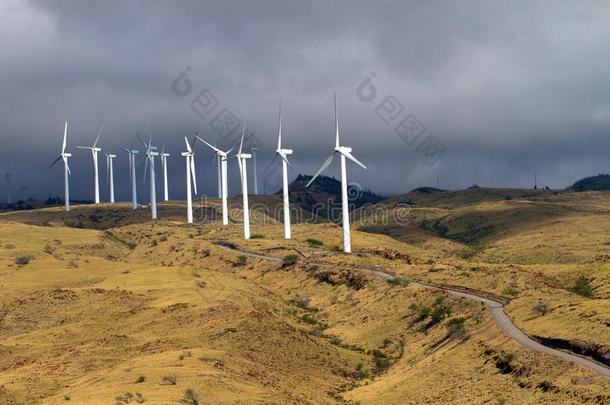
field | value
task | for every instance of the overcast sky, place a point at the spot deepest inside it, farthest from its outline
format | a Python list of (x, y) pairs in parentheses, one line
[(500, 90)]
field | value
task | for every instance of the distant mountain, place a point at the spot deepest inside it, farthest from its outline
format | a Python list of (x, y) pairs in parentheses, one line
[(428, 190), (323, 197), (599, 182)]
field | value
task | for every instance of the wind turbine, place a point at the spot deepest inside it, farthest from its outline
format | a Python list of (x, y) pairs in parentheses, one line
[(64, 155), (344, 152), (253, 152), (190, 171), (151, 152), (222, 156), (132, 176), (110, 174), (283, 153), (242, 159), (7, 180), (94, 150), (164, 164)]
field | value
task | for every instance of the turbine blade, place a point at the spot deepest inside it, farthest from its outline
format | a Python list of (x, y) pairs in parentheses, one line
[(193, 173), (241, 174), (188, 147), (326, 163), (125, 149), (286, 160), (141, 140), (63, 146), (243, 133), (279, 134), (67, 165), (84, 147), (336, 122), (130, 163), (145, 170), (55, 161), (98, 136), (210, 146), (353, 159)]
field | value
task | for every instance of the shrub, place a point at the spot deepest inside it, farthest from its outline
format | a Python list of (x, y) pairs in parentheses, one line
[(200, 284), (511, 290), (290, 260), (381, 361), (23, 260), (140, 379), (73, 264), (456, 328), (131, 245), (257, 236), (314, 242), (184, 355), (504, 362), (315, 332), (9, 246), (583, 287), (309, 320), (190, 397), (541, 308), (48, 248), (301, 301), (241, 261), (355, 280), (396, 281), (170, 379), (163, 238)]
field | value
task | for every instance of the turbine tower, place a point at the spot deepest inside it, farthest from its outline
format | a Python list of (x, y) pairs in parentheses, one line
[(132, 176), (344, 152), (94, 150), (253, 152), (64, 155), (190, 171), (164, 165), (151, 152), (283, 153), (222, 156), (110, 174), (242, 159), (7, 180)]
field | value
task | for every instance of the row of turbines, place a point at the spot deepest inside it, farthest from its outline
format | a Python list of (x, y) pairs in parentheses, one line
[(151, 152)]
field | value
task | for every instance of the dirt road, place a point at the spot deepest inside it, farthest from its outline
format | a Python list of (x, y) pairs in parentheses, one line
[(495, 308)]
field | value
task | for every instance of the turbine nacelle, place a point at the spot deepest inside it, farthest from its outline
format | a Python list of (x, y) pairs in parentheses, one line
[(284, 152)]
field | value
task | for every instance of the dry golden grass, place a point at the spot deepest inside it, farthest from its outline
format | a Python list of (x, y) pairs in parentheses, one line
[(93, 310)]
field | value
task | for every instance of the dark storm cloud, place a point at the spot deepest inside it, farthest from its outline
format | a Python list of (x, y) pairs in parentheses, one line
[(508, 88)]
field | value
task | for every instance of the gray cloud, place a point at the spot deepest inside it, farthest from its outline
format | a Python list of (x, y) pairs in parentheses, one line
[(508, 88)]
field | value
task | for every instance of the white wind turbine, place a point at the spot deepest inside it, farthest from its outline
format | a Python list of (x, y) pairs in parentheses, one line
[(283, 153), (94, 150), (110, 174), (132, 176), (222, 156), (190, 171), (151, 152), (64, 155), (344, 152), (242, 159), (164, 157)]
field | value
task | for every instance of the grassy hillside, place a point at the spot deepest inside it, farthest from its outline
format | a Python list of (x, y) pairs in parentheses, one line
[(101, 306)]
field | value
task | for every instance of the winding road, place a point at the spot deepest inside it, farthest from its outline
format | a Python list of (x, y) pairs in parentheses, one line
[(496, 309)]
